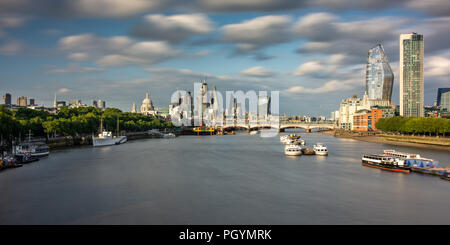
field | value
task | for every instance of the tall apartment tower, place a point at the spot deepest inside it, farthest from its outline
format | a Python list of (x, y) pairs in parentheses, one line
[(7, 99), (379, 75), (22, 101), (411, 75)]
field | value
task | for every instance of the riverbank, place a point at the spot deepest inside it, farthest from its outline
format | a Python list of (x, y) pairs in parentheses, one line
[(398, 140)]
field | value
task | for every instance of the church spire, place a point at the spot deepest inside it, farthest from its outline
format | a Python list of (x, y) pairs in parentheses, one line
[(54, 102)]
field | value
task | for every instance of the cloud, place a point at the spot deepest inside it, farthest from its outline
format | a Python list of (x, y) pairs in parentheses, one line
[(11, 48), (78, 56), (10, 22), (73, 68), (255, 34), (63, 91), (248, 5), (433, 7), (122, 9), (331, 86), (174, 28), (82, 8), (257, 71), (119, 50), (307, 68)]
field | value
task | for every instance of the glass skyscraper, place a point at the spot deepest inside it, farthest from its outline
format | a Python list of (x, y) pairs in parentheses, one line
[(379, 75), (411, 75), (443, 98)]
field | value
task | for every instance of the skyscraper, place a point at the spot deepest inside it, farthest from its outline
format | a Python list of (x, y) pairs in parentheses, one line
[(22, 101), (7, 99), (411, 75), (443, 98), (379, 75)]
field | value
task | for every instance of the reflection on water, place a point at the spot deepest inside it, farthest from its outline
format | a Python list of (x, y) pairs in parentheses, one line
[(232, 179)]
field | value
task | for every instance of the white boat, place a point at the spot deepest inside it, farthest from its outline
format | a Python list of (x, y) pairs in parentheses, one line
[(254, 132), (106, 138), (169, 135), (320, 149), (35, 149), (292, 150)]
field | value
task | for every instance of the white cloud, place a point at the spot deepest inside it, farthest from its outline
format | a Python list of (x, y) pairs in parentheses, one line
[(78, 56), (11, 48), (112, 8), (63, 91), (174, 28), (73, 68), (437, 66), (118, 50), (307, 68), (331, 86), (257, 71), (257, 33)]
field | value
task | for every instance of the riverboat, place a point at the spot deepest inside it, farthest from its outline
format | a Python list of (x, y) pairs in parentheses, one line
[(384, 162)]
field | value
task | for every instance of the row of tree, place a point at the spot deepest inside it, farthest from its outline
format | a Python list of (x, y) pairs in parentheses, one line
[(415, 125), (72, 121)]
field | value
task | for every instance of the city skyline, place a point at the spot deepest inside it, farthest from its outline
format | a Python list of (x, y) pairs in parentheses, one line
[(304, 51)]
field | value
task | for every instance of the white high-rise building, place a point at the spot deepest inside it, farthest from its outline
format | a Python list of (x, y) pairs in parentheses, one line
[(411, 75)]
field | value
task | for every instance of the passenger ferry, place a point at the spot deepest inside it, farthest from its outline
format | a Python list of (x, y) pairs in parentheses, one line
[(384, 162), (35, 149), (293, 150), (291, 139), (320, 149)]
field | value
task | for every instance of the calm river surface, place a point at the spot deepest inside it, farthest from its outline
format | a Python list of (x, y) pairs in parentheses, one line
[(235, 179)]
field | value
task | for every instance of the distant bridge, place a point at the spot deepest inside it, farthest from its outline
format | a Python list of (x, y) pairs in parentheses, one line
[(307, 126)]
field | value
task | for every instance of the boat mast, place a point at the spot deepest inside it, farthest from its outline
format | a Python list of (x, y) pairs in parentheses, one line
[(101, 124), (117, 130)]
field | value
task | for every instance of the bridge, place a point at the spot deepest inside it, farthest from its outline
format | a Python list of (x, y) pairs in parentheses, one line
[(281, 127)]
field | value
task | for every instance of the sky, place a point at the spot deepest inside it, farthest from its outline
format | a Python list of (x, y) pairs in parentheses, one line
[(313, 52)]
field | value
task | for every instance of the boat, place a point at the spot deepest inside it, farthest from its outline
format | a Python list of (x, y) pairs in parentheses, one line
[(28, 158), (384, 162), (169, 135), (308, 151), (320, 149), (8, 161), (291, 139), (106, 138), (253, 132), (446, 176), (35, 149), (293, 150)]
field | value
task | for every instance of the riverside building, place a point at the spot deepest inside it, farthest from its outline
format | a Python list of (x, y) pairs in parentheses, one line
[(411, 75)]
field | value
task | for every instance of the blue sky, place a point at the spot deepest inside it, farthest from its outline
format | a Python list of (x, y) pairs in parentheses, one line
[(313, 52)]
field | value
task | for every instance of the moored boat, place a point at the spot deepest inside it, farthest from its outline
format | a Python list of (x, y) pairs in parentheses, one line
[(320, 149), (293, 150), (384, 162), (106, 138), (35, 149)]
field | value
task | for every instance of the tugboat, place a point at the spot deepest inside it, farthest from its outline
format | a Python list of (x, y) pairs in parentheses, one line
[(293, 150), (384, 162), (320, 149)]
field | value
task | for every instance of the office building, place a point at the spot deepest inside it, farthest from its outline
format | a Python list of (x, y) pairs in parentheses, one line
[(379, 75), (22, 101), (443, 98), (7, 99)]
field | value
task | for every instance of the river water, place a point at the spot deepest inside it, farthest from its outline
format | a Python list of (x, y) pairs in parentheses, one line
[(232, 179)]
